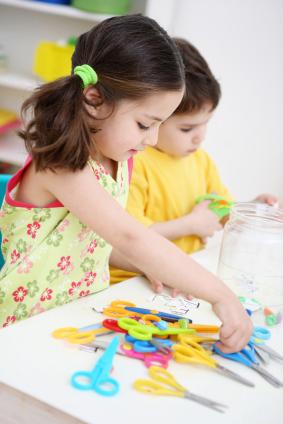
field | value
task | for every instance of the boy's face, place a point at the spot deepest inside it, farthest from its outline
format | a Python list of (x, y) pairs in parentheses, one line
[(182, 134)]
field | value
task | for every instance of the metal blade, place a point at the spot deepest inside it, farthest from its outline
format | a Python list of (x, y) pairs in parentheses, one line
[(262, 356), (160, 346), (267, 376), (272, 353), (234, 376), (206, 402)]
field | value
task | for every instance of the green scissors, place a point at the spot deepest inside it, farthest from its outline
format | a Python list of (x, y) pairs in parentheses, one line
[(145, 332)]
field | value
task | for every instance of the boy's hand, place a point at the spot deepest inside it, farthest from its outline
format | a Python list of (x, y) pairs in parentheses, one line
[(267, 198), (158, 287), (237, 328), (204, 223)]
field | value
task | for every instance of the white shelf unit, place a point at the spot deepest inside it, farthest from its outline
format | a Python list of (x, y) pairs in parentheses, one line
[(23, 23), (53, 9)]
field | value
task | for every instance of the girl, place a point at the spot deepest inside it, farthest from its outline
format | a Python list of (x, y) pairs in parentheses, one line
[(63, 211)]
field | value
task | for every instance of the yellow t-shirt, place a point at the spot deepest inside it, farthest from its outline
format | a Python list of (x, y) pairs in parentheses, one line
[(165, 187)]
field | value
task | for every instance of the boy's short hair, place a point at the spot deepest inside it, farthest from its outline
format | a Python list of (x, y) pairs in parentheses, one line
[(201, 85)]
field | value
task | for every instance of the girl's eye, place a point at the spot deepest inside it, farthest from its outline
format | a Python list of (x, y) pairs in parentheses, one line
[(186, 130), (142, 127)]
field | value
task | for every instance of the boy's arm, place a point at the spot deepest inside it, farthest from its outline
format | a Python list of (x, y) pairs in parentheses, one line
[(172, 229)]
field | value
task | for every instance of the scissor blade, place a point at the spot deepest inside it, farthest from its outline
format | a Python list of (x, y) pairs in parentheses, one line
[(262, 356), (160, 346), (272, 353), (206, 402), (95, 345), (267, 376), (234, 376)]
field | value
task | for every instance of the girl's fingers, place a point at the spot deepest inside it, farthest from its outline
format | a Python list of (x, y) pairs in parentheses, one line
[(233, 342)]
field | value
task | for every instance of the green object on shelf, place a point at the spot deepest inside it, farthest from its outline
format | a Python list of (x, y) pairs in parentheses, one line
[(111, 7), (219, 205), (72, 41)]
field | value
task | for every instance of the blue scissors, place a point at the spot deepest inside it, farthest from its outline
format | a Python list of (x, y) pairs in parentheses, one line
[(247, 357), (149, 346), (98, 379)]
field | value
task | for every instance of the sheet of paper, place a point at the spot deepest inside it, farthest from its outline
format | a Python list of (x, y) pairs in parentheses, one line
[(176, 305)]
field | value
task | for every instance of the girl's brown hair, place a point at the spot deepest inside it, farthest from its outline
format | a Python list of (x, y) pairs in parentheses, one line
[(201, 85), (132, 56)]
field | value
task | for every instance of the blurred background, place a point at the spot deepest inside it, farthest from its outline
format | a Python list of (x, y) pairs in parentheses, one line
[(241, 40)]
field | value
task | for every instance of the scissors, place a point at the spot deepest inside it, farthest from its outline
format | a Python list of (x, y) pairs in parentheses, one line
[(163, 383), (149, 346), (189, 351), (145, 332), (260, 334), (98, 379), (247, 357), (80, 335), (122, 308), (149, 359)]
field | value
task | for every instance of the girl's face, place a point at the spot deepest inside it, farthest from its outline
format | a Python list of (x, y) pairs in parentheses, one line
[(182, 134), (132, 125)]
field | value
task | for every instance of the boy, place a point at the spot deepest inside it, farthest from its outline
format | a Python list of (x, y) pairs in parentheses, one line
[(168, 177)]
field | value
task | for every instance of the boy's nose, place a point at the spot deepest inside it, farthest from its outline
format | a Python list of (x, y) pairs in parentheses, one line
[(151, 139)]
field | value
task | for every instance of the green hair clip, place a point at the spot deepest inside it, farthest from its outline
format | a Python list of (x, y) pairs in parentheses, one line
[(87, 74)]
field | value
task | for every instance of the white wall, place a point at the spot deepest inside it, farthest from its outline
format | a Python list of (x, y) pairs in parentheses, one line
[(242, 40)]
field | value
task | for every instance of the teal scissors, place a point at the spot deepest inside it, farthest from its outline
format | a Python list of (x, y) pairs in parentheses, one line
[(98, 379)]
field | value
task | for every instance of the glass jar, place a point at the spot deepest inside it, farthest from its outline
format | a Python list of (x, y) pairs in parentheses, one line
[(251, 256)]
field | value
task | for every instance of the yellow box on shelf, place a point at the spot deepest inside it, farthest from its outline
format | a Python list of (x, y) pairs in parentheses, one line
[(52, 60)]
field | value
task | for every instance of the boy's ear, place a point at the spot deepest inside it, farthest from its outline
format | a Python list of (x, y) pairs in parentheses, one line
[(93, 96)]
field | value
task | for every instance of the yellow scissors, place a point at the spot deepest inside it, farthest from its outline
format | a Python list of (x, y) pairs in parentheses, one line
[(190, 351), (80, 335), (163, 383)]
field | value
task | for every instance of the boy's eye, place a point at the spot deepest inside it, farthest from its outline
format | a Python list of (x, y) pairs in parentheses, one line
[(186, 130), (142, 127)]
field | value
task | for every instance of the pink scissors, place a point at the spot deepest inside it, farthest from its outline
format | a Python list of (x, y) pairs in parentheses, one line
[(149, 358)]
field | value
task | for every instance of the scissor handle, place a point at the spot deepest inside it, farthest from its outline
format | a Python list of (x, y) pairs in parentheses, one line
[(261, 333), (184, 353), (237, 357), (84, 380), (149, 319), (163, 376), (73, 335), (139, 331), (154, 359), (148, 386), (64, 332), (142, 346)]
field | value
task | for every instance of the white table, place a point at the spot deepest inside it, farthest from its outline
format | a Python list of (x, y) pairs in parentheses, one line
[(39, 366)]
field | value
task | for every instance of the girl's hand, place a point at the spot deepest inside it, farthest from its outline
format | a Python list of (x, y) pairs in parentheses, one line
[(204, 223), (237, 326), (158, 287), (267, 198)]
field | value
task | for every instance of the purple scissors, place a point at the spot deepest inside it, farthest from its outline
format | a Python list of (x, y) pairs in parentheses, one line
[(149, 358)]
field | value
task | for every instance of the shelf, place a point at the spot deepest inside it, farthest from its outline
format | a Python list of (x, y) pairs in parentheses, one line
[(59, 10), (18, 81), (12, 149)]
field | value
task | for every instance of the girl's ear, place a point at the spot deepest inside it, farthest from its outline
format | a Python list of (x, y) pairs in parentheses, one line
[(96, 108)]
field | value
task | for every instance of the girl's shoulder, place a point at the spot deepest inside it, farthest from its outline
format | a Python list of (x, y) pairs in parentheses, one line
[(26, 189)]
